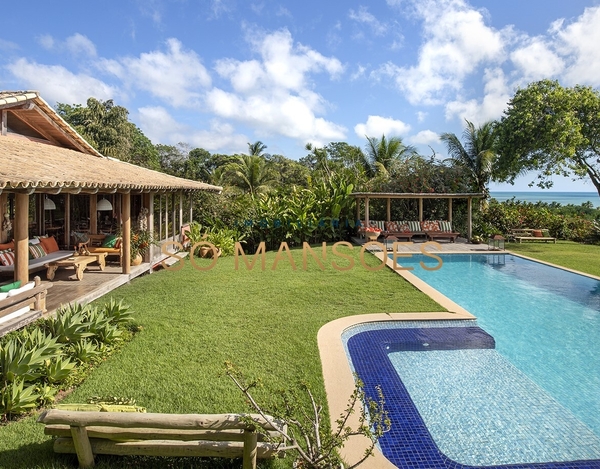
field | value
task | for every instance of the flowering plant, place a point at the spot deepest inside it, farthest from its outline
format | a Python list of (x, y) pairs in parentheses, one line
[(372, 229), (140, 242)]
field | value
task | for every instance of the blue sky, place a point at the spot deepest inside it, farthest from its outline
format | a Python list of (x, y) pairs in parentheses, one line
[(218, 74)]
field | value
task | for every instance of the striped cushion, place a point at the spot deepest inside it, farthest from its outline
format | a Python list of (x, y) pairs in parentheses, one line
[(392, 226), (414, 226), (445, 226), (7, 257), (36, 251), (377, 224)]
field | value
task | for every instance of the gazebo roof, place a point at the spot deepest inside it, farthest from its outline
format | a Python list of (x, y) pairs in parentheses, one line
[(417, 195)]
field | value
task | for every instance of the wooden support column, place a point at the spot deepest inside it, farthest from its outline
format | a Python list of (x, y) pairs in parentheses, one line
[(180, 224), (191, 207), (420, 208), (166, 234), (469, 219), (21, 230), (151, 226), (173, 216), (357, 209), (3, 210), (93, 214), (389, 209), (160, 217), (249, 454), (126, 221), (4, 129), (67, 239), (367, 211), (450, 210)]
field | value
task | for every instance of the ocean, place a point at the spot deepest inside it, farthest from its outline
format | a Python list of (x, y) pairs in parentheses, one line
[(563, 198)]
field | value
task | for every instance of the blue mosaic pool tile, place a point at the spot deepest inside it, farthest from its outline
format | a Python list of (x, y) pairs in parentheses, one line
[(409, 443)]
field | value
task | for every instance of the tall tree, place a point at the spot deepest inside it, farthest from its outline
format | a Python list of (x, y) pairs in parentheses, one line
[(257, 148), (477, 155), (383, 154), (252, 174), (104, 125), (551, 130)]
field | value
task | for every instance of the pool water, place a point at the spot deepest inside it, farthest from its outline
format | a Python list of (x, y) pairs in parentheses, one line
[(545, 320)]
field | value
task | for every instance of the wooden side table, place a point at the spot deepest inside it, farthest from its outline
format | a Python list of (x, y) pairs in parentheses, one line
[(78, 262)]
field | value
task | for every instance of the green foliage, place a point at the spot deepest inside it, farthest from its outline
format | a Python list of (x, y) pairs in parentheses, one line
[(57, 369), (16, 400), (251, 174), (384, 155), (84, 351), (117, 312), (69, 324), (19, 362), (552, 130)]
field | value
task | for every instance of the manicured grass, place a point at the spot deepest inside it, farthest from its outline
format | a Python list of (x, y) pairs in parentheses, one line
[(265, 322), (582, 257)]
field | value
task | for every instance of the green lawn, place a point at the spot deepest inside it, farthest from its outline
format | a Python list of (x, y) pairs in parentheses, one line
[(265, 322), (582, 257)]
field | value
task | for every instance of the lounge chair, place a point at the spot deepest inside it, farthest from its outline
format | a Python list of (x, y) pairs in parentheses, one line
[(436, 230)]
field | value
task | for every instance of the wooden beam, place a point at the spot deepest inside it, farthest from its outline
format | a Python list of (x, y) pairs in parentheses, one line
[(367, 211), (469, 219), (450, 210), (67, 239), (389, 209), (150, 197), (180, 224), (36, 129), (93, 213), (74, 142), (173, 216), (191, 197), (420, 208), (4, 129)]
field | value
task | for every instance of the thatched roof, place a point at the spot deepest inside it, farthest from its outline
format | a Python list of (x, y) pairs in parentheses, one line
[(32, 165), (40, 152)]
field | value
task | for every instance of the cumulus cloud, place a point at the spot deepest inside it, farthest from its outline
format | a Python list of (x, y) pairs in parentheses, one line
[(159, 126), (77, 45), (458, 42), (497, 93), (363, 16), (377, 126), (535, 60), (273, 93), (59, 84), (424, 137), (175, 75)]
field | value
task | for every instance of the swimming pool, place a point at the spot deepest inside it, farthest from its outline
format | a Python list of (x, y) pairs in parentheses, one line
[(532, 317)]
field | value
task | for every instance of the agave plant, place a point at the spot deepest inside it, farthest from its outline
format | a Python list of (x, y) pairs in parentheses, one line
[(20, 363), (58, 369), (69, 325), (15, 400), (84, 351), (118, 313)]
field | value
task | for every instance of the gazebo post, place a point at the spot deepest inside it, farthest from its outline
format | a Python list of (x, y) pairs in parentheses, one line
[(173, 216), (93, 214), (450, 209), (389, 209), (21, 237), (469, 219), (366, 211), (420, 208), (67, 239), (126, 240), (357, 208), (191, 197), (180, 224)]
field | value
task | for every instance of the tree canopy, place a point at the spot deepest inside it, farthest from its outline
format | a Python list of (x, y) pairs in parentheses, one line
[(552, 130)]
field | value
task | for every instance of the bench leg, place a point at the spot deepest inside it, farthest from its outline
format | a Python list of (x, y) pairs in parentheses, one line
[(79, 271), (51, 271), (85, 456), (250, 439)]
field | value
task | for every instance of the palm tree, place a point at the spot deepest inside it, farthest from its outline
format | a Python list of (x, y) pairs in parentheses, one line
[(251, 173), (257, 148), (477, 155), (383, 154)]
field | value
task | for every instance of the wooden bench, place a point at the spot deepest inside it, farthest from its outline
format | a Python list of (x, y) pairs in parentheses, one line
[(210, 435), (34, 299), (94, 246), (526, 234)]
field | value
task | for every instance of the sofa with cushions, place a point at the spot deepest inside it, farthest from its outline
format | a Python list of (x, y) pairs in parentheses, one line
[(94, 243), (427, 230), (42, 250)]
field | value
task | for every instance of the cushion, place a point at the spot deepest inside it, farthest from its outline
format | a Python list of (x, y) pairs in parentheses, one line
[(7, 257), (391, 226), (430, 225), (3, 295), (415, 226), (27, 286), (34, 241), (118, 243), (36, 251), (537, 233), (109, 241), (403, 227), (49, 244), (10, 286), (6, 246), (445, 226)]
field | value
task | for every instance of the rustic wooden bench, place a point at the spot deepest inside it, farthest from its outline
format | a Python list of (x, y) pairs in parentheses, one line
[(13, 309), (130, 433)]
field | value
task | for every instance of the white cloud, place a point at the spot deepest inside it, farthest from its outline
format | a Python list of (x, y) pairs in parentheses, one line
[(46, 41), (377, 126), (578, 42), (176, 76), (421, 116), (363, 16), (424, 137), (77, 44), (359, 73), (273, 93), (497, 93), (283, 11), (58, 84), (536, 60), (457, 42), (159, 126)]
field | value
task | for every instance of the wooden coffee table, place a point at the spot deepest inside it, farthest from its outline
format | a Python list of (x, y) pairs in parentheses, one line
[(78, 262)]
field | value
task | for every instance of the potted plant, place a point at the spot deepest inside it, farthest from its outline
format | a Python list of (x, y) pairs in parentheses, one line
[(140, 242)]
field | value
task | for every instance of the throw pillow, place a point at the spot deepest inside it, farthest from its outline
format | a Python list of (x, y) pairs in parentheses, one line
[(36, 251), (109, 241), (118, 243), (7, 246), (445, 226), (537, 233), (430, 225), (10, 286), (403, 227), (49, 244), (391, 226), (7, 257), (80, 237), (415, 226), (16, 291), (34, 241)]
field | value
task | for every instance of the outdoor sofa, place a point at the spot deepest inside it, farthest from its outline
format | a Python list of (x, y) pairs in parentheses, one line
[(51, 252)]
